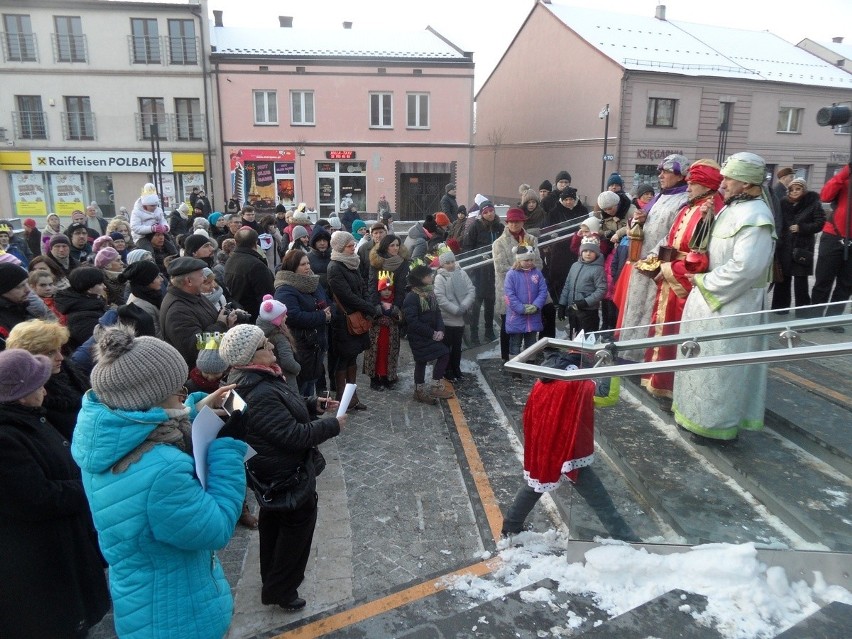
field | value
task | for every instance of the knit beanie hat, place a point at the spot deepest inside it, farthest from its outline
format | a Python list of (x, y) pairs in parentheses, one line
[(8, 258), (105, 257), (608, 199), (135, 373), (563, 175), (214, 217), (140, 273), (592, 223), (357, 225), (30, 223), (194, 242), (272, 311), (441, 219), (59, 238), (545, 186), (339, 240), (10, 276), (523, 252), (115, 236), (150, 199), (591, 243), (99, 242), (300, 231), (335, 222), (209, 361), (614, 178), (800, 182), (447, 257), (240, 343), (85, 277), (137, 255), (301, 216), (21, 373), (643, 189), (417, 274)]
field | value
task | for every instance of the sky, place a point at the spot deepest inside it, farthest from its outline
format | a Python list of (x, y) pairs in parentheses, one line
[(478, 25)]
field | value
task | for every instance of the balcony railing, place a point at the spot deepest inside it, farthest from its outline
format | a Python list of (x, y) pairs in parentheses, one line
[(69, 48), (30, 125), (19, 47), (183, 50), (187, 128), (78, 125), (145, 49)]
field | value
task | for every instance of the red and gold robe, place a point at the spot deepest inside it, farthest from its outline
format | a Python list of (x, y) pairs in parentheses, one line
[(672, 290)]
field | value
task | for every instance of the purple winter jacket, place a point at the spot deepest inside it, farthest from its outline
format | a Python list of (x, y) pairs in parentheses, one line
[(524, 287)]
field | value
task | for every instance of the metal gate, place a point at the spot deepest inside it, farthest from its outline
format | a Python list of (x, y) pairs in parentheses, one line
[(420, 194)]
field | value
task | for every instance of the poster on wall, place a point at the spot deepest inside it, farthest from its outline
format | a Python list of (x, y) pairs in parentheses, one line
[(190, 181), (259, 177), (66, 190), (28, 194)]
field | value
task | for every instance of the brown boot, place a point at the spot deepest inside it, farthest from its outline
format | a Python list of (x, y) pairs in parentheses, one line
[(422, 395), (441, 389), (352, 378), (247, 519), (339, 382)]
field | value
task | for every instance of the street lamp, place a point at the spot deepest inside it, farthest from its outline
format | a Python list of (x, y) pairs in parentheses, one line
[(604, 115)]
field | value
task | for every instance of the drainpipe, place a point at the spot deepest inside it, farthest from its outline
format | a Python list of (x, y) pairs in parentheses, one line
[(202, 22)]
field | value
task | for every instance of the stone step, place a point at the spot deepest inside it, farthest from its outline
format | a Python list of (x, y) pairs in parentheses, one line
[(831, 622)]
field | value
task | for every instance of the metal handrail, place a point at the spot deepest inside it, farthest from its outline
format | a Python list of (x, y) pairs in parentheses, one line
[(606, 354)]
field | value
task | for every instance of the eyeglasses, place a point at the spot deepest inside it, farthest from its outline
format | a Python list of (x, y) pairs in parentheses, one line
[(265, 345), (183, 393)]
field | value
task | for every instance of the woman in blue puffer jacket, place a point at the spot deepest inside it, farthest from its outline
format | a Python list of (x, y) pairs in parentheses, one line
[(158, 527)]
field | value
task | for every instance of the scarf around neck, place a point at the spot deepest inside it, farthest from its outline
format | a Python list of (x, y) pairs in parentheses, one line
[(352, 262), (147, 294), (392, 262), (175, 431), (302, 283)]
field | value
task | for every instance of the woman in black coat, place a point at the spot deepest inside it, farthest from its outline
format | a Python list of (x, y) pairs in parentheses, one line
[(308, 316), (348, 294), (82, 303), (389, 255), (283, 428), (66, 385), (52, 581), (425, 336), (802, 218)]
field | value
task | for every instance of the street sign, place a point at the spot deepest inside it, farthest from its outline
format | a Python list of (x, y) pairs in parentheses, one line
[(608, 158)]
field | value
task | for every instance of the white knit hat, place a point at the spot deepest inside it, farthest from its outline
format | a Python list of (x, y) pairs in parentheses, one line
[(272, 310), (592, 223), (608, 199), (240, 343)]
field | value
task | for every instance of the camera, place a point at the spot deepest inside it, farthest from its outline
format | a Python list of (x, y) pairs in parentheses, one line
[(243, 317), (834, 116)]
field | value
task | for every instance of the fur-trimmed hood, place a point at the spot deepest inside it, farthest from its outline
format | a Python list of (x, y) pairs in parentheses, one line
[(378, 262)]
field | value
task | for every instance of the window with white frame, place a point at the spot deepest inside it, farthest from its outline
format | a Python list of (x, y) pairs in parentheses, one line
[(418, 110), (661, 112), (789, 119), (265, 107), (381, 110), (302, 107)]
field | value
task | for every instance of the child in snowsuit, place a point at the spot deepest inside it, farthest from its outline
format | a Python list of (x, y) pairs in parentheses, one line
[(584, 289)]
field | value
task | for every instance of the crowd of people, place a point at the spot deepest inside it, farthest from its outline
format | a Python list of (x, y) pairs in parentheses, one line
[(115, 334)]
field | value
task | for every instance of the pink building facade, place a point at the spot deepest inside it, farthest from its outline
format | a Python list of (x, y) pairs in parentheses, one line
[(322, 117)]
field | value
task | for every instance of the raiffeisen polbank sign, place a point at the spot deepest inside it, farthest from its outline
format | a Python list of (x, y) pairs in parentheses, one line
[(115, 161)]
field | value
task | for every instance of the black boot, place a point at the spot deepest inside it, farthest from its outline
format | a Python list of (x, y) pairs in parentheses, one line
[(376, 384)]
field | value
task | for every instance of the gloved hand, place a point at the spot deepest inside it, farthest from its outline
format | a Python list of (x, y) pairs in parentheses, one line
[(438, 336), (530, 309), (581, 304), (159, 228), (234, 428), (560, 312)]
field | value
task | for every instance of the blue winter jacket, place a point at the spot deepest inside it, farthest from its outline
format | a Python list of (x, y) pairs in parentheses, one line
[(520, 288), (157, 527)]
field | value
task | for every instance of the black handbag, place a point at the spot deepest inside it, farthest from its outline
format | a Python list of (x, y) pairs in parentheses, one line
[(803, 257), (308, 353), (287, 495)]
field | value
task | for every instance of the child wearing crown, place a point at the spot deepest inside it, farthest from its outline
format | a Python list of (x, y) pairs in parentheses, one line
[(380, 360)]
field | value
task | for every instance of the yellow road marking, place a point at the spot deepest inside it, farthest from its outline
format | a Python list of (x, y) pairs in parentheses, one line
[(426, 589), (813, 386)]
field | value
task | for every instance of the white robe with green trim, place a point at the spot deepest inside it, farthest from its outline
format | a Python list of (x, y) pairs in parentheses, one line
[(718, 402)]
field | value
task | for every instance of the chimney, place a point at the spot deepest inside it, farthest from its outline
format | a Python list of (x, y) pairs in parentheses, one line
[(661, 12), (837, 40), (285, 22), (347, 25), (217, 18)]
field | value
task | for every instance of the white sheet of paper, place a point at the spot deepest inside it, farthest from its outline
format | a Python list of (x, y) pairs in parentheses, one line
[(250, 452), (205, 427), (348, 392)]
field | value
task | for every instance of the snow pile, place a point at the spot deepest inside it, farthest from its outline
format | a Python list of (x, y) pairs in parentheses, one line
[(746, 600)]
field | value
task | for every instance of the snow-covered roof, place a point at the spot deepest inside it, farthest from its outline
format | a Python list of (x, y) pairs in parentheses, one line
[(340, 43), (641, 43), (839, 49)]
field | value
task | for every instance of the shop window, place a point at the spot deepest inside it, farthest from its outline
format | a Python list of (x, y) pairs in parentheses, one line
[(20, 43), (144, 41), (78, 120), (69, 41), (183, 48), (661, 112), (265, 107), (418, 110), (789, 120), (302, 108), (381, 110)]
